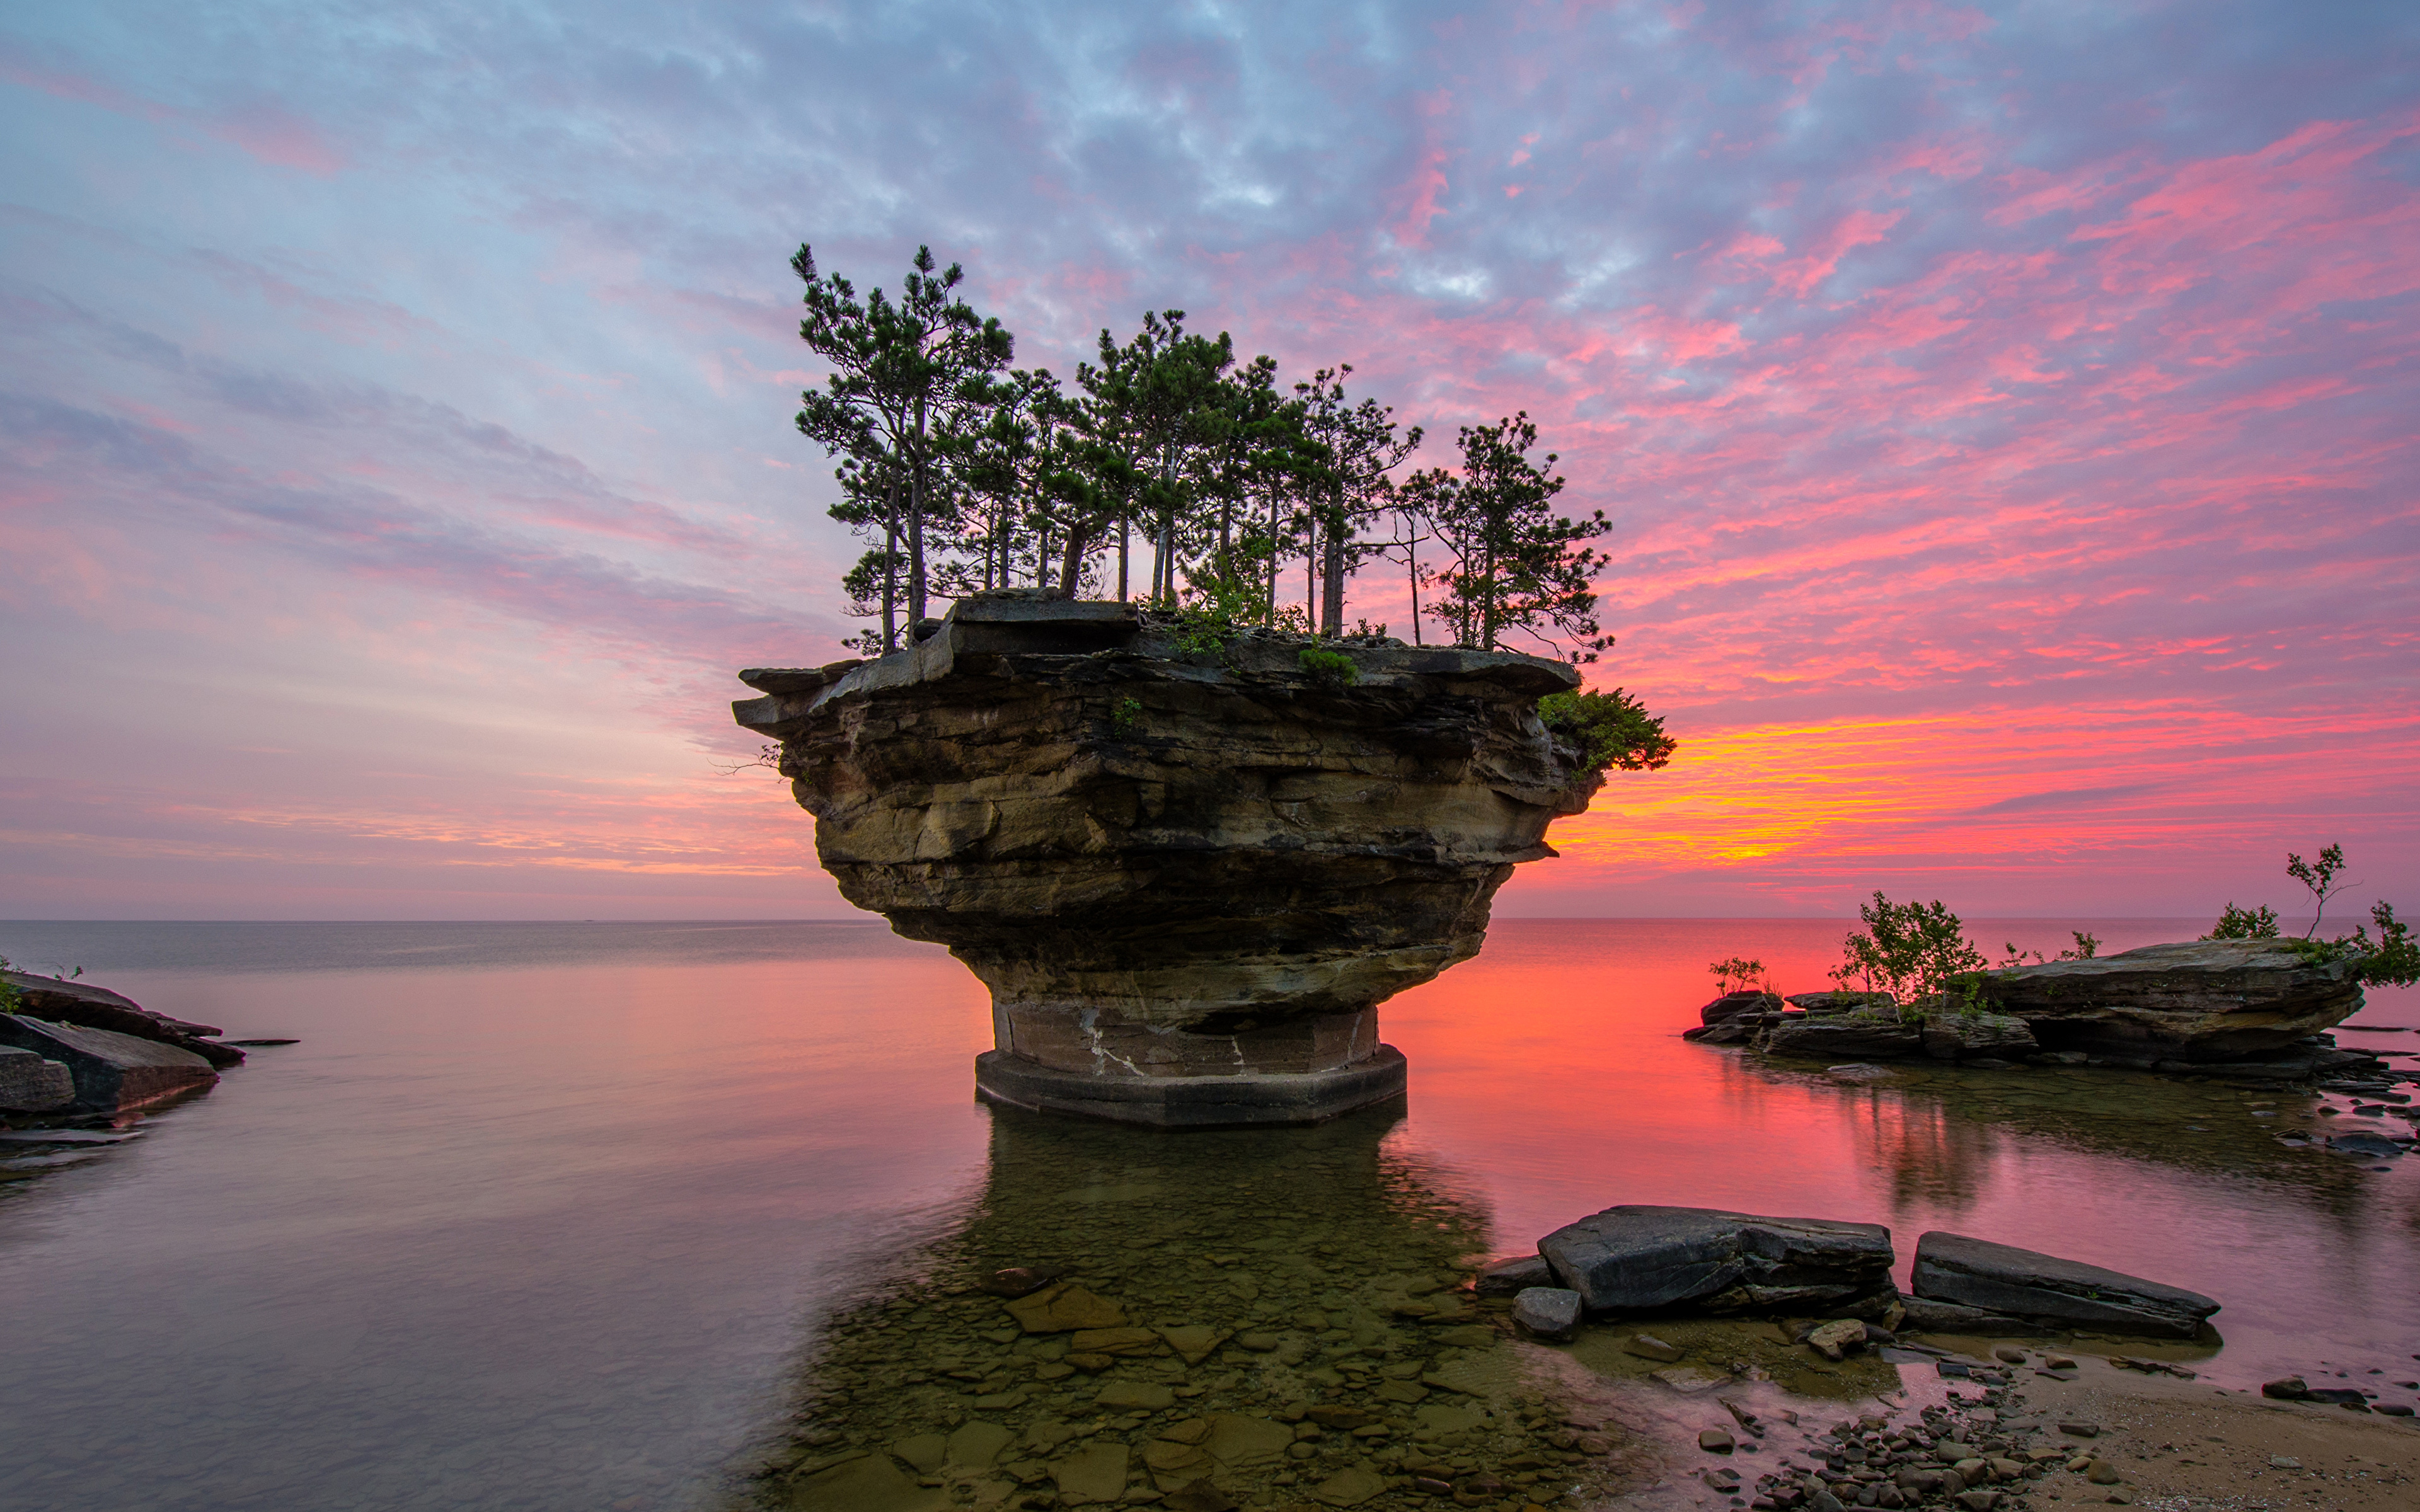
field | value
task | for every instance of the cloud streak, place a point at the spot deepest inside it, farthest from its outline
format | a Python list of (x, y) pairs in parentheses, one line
[(2002, 407)]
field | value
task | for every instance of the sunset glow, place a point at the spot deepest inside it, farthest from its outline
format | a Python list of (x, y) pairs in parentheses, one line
[(2005, 413)]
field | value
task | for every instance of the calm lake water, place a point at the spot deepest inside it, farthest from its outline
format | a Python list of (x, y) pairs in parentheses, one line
[(557, 1215)]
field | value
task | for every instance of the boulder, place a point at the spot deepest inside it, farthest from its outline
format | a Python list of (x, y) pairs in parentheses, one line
[(1637, 1258), (1859, 1036), (1747, 1005), (113, 1071), (2001, 1278), (1839, 1002), (1188, 877), (56, 1000), (1954, 1035), (30, 1083), (1549, 1312), (2200, 1000)]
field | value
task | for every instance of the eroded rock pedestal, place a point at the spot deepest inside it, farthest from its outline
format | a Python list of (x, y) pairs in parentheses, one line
[(1188, 876)]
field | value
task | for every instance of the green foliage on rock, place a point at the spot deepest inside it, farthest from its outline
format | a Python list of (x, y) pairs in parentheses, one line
[(2390, 960), (1613, 728), (10, 999), (1910, 951), (2244, 924), (1740, 970), (1333, 669)]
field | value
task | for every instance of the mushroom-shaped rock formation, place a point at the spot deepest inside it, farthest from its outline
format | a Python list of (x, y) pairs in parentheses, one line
[(1188, 876)]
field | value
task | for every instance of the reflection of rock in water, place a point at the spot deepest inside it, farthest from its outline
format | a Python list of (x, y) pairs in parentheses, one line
[(1251, 1317), (1935, 1129)]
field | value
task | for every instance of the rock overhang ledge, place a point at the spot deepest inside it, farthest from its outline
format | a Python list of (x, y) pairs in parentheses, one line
[(1222, 859)]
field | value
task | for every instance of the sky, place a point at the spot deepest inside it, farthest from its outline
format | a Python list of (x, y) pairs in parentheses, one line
[(2005, 414)]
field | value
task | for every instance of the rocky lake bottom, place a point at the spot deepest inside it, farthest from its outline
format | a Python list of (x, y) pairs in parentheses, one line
[(705, 1218)]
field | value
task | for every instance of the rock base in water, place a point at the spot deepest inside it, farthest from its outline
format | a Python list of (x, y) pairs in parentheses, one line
[(1165, 1101), (1177, 867)]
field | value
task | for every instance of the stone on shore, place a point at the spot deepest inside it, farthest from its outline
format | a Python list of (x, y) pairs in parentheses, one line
[(30, 1083), (1639, 1258), (111, 1071), (2001, 1278), (56, 1000), (1841, 1002), (1739, 1005), (2200, 1000), (1953, 1036), (1858, 1036), (1548, 1312)]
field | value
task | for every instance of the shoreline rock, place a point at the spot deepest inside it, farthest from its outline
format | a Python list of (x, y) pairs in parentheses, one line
[(1644, 1260), (2027, 1284), (58, 1000), (113, 1072)]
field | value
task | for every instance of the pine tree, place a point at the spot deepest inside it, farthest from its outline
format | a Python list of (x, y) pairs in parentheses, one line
[(899, 370), (1516, 565), (1358, 447)]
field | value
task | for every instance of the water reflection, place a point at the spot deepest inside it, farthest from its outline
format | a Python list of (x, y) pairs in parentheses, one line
[(1248, 1317)]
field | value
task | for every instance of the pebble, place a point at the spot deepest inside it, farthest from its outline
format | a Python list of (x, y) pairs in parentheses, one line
[(1716, 1440)]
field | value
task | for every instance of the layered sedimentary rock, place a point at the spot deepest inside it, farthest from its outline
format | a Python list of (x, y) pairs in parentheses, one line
[(2204, 1000), (60, 1001), (111, 1071), (2043, 1289), (1189, 875), (1638, 1258)]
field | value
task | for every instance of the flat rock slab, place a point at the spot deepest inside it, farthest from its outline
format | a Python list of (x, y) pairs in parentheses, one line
[(1096, 1472), (1066, 1307), (1843, 1037), (2001, 1278), (864, 1483), (80, 1003), (1637, 1258), (111, 1071), (31, 1084), (2202, 1000)]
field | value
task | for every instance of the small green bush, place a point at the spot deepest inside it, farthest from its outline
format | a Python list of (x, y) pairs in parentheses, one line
[(1912, 950), (1613, 728), (1124, 716), (1332, 668), (2244, 924)]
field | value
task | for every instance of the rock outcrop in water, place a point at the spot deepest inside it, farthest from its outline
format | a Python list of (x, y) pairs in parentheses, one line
[(2200, 1000), (2255, 1008), (1187, 876)]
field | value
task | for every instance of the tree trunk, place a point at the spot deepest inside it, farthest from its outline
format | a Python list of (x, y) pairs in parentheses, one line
[(1412, 563), (1124, 529), (891, 566), (1331, 596), (916, 523)]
